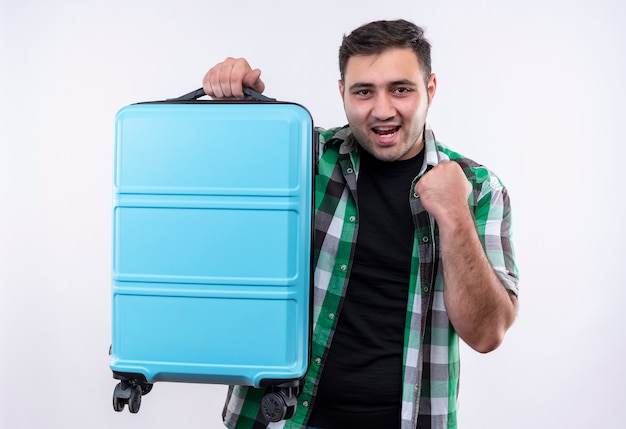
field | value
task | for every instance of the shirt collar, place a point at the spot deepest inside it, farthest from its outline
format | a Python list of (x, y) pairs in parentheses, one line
[(431, 155)]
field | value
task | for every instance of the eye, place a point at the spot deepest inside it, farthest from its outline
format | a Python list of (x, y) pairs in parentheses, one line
[(362, 93), (402, 90)]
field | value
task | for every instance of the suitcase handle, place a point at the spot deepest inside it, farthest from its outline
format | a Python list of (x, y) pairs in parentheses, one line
[(194, 95)]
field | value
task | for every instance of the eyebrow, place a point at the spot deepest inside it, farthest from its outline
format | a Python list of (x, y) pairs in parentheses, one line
[(363, 85)]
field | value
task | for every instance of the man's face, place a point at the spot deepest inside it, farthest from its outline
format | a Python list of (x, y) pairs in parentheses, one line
[(386, 101)]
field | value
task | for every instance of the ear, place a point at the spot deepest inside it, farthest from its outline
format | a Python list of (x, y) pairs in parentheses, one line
[(341, 88), (432, 88)]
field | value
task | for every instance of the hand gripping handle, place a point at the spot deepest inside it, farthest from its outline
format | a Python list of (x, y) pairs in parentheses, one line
[(194, 95)]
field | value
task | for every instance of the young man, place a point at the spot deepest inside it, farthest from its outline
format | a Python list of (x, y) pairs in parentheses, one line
[(413, 248)]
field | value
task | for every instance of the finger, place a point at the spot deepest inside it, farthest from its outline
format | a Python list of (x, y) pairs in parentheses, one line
[(206, 83), (252, 80), (220, 77), (212, 81), (229, 74), (239, 77)]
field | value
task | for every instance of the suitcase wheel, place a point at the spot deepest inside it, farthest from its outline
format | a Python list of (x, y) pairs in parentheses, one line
[(134, 402), (279, 405), (129, 392), (118, 402)]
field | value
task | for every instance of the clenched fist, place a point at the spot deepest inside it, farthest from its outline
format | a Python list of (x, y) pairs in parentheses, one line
[(227, 79), (444, 192)]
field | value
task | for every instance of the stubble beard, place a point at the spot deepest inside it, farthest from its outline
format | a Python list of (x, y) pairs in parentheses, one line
[(383, 154)]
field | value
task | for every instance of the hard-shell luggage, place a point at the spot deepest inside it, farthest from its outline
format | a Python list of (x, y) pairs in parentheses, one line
[(212, 237)]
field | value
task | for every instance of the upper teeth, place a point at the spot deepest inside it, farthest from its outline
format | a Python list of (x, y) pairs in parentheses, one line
[(385, 130)]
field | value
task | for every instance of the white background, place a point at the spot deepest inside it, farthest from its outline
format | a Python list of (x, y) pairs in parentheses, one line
[(535, 90)]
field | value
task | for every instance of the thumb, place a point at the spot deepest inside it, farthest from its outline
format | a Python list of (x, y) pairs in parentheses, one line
[(253, 80)]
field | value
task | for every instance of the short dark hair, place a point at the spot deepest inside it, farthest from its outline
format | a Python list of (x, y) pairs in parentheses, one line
[(378, 36)]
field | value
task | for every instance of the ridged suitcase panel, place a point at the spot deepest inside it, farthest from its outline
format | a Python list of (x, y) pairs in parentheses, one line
[(212, 242)]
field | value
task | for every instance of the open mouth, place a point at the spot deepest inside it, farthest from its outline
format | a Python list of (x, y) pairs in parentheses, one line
[(386, 132)]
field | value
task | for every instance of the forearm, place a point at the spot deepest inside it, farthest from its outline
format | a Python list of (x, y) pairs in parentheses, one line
[(479, 307)]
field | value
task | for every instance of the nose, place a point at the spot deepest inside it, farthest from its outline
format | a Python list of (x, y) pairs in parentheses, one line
[(383, 109)]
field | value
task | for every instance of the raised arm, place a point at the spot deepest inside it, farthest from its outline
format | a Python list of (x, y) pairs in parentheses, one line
[(228, 78), (479, 307)]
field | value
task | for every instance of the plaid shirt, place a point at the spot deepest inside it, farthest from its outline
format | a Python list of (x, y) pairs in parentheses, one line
[(431, 346)]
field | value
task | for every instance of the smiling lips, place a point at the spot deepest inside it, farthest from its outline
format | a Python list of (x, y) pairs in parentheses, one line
[(386, 134)]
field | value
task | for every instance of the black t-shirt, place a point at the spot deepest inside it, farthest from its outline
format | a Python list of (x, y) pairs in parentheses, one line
[(361, 383)]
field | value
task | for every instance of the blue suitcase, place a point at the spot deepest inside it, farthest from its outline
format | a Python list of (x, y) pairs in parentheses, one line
[(212, 238)]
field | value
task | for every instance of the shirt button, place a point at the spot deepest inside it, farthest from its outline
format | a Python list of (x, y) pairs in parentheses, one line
[(415, 195), (425, 239), (305, 403), (331, 316), (318, 360), (343, 267), (352, 218), (349, 170), (425, 289)]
